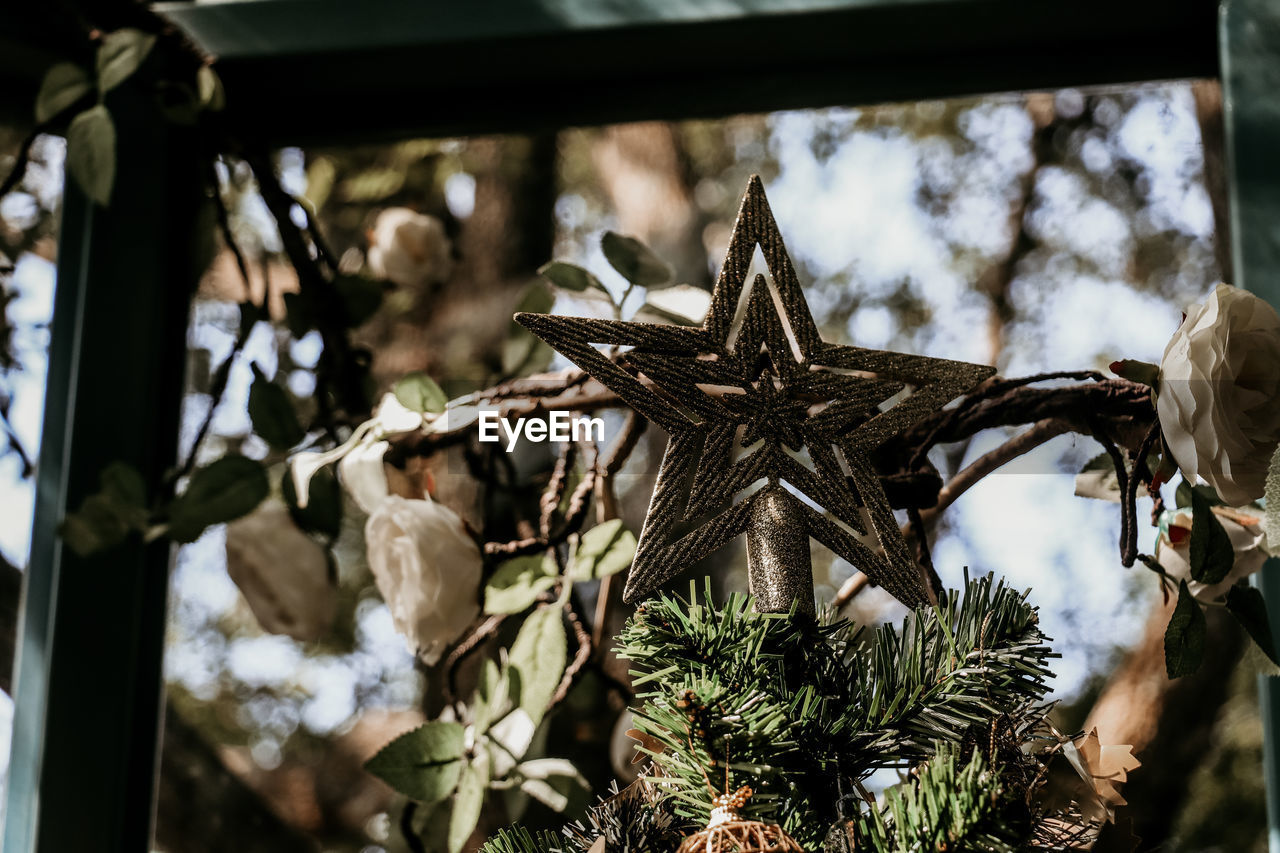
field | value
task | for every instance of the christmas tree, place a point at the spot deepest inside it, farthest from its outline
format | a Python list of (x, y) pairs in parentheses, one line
[(803, 712)]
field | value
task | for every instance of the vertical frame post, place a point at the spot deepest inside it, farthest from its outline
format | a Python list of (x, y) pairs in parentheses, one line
[(88, 686), (1249, 42)]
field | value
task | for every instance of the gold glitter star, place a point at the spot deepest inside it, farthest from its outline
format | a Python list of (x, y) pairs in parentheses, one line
[(770, 426)]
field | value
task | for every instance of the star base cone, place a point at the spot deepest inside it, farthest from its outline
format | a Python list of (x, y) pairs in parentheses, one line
[(779, 568)]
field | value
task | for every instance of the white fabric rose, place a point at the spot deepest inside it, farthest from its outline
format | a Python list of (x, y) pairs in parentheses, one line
[(428, 570), (1248, 540), (409, 248), (282, 573), (1219, 393), (360, 456)]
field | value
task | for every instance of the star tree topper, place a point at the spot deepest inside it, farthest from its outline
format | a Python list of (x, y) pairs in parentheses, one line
[(744, 398)]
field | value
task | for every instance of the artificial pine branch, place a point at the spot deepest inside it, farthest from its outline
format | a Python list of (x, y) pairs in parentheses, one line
[(803, 713), (638, 819), (939, 678), (517, 839), (951, 804)]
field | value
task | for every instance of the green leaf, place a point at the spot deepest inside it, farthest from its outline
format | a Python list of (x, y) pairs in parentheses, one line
[(122, 483), (493, 694), (178, 102), (634, 260), (537, 298), (106, 517), (1097, 479), (523, 351), (571, 277), (518, 582), (423, 764), (552, 782), (1182, 495), (120, 54), (91, 153), (95, 527), (1211, 551), (1184, 637), (221, 491), (209, 89), (418, 392), (605, 549), (468, 801), (1247, 605), (63, 84), (664, 315), (361, 298), (272, 414), (323, 513), (538, 659)]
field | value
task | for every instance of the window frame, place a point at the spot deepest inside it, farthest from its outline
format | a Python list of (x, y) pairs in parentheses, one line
[(88, 678)]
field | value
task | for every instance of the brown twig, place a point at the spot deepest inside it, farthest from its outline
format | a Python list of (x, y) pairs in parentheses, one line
[(1128, 525), (462, 650), (606, 509), (849, 590), (1140, 473), (580, 657), (549, 503), (975, 471), (221, 376), (337, 370), (1019, 445)]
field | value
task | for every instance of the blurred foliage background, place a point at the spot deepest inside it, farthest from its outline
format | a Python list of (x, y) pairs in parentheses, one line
[(1035, 232)]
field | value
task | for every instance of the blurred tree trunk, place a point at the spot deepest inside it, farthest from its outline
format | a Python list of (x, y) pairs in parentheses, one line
[(1208, 98), (1169, 723), (645, 173)]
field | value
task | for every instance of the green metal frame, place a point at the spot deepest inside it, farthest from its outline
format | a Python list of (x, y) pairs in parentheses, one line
[(88, 678), (329, 72), (1250, 34)]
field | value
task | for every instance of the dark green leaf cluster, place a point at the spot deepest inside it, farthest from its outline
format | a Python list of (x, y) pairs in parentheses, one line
[(803, 712), (950, 804)]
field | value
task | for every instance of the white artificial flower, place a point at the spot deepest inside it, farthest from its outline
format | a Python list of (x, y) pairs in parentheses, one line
[(409, 248), (368, 443), (1248, 540), (282, 573), (1219, 393), (427, 568), (362, 474), (392, 417)]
